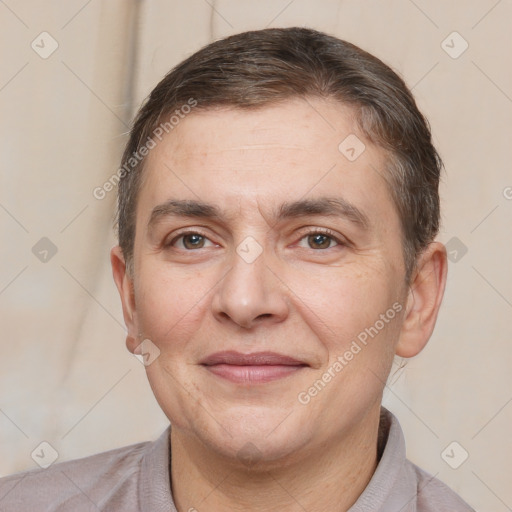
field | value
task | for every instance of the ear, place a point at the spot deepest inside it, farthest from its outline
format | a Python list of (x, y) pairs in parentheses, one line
[(424, 299), (124, 285)]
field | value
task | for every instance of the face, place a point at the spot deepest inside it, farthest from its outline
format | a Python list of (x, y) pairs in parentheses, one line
[(269, 274)]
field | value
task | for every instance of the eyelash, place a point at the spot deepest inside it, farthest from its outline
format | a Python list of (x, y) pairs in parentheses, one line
[(326, 232), (183, 234), (317, 231)]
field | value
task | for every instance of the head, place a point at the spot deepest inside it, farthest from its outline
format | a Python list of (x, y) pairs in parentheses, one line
[(278, 192), (257, 69)]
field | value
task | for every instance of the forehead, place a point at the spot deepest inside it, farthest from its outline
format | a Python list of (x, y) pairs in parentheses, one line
[(295, 125), (299, 148)]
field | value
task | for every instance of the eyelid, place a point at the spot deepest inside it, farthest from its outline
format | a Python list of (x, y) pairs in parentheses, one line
[(340, 240), (185, 231)]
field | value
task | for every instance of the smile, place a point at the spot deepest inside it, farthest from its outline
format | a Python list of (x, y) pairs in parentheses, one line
[(256, 368)]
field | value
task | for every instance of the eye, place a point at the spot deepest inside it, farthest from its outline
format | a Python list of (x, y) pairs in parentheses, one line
[(320, 240), (190, 241)]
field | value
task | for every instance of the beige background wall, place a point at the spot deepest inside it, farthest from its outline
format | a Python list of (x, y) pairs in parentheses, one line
[(65, 376)]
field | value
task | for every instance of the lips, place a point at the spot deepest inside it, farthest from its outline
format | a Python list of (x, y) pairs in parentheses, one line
[(258, 367)]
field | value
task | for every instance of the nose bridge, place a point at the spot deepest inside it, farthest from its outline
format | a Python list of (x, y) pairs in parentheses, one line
[(250, 292)]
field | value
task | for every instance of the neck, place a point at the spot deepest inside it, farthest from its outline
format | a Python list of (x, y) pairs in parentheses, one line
[(330, 477)]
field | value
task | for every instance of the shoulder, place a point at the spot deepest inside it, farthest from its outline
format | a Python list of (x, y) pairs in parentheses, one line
[(398, 484), (434, 495), (74, 484)]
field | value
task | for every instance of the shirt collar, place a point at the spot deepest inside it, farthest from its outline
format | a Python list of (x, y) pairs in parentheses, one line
[(155, 482), (391, 487)]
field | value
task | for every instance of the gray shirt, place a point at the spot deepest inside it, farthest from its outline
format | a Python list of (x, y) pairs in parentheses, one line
[(136, 478)]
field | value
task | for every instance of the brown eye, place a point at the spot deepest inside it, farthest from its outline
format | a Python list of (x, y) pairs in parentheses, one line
[(319, 241), (193, 241), (189, 241)]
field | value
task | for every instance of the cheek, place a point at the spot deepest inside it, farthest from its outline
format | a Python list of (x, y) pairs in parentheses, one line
[(342, 302), (169, 303), (355, 316)]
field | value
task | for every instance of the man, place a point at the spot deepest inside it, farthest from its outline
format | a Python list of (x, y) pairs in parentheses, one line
[(278, 204)]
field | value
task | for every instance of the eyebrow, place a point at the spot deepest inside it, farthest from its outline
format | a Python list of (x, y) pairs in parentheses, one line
[(322, 206), (325, 206)]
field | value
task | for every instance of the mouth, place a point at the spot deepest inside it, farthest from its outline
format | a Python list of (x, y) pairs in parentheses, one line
[(255, 368)]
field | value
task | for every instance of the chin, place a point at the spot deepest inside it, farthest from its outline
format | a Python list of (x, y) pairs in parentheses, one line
[(254, 436)]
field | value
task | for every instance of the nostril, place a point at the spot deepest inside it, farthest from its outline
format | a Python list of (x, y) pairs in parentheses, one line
[(264, 315)]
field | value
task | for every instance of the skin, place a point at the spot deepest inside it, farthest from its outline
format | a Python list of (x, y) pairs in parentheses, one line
[(304, 296)]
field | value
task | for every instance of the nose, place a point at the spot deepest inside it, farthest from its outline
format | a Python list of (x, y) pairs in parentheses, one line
[(250, 294)]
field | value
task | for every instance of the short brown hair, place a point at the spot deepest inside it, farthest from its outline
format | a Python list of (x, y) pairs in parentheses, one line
[(259, 68)]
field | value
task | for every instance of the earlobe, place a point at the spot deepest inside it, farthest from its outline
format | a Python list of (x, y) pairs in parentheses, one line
[(423, 301), (124, 284)]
